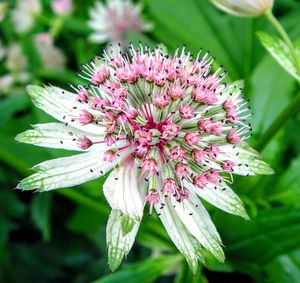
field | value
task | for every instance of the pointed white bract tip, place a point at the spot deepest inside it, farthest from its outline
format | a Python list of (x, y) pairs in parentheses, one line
[(244, 8)]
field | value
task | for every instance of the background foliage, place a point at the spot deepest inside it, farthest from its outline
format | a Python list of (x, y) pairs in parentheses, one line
[(60, 236)]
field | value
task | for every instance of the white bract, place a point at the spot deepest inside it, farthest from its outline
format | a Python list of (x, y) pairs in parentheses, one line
[(170, 131)]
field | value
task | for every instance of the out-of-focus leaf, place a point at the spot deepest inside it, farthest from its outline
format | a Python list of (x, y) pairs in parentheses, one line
[(78, 222), (287, 190), (196, 24), (280, 52), (270, 93), (41, 214), (285, 268), (145, 271), (10, 105), (10, 204), (185, 275), (272, 233)]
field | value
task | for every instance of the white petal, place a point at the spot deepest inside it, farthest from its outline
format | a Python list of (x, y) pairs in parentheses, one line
[(124, 192), (248, 161), (118, 244), (67, 171), (56, 135), (180, 236), (226, 199), (196, 219), (63, 106)]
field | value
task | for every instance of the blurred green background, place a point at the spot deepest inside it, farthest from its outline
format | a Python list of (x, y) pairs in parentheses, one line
[(60, 236)]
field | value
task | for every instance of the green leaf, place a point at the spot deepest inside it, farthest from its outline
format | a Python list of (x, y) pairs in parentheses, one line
[(287, 190), (78, 224), (274, 232), (285, 268), (10, 203), (270, 93), (144, 271), (279, 51), (41, 214), (196, 24)]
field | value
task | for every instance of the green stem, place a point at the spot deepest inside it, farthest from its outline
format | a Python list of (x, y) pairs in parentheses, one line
[(281, 31), (288, 112)]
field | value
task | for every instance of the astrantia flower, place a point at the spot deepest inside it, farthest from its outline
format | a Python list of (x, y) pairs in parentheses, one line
[(51, 56), (169, 130), (3, 10), (62, 7), (244, 8), (24, 14), (114, 20)]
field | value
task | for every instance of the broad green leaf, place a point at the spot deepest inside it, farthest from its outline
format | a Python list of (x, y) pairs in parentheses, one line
[(260, 240), (185, 275), (78, 222), (285, 268), (41, 214), (280, 52), (270, 92), (145, 271), (11, 205), (196, 24), (287, 190)]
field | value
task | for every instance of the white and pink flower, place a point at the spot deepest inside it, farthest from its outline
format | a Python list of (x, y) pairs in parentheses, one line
[(112, 21), (166, 154)]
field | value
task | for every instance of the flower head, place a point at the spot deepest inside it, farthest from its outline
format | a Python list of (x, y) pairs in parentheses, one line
[(164, 154), (62, 7), (24, 14), (51, 56), (3, 10), (244, 8), (114, 20)]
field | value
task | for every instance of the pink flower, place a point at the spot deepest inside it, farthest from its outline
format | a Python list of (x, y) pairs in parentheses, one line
[(62, 7), (114, 20), (233, 136), (109, 156), (82, 95), (177, 153), (171, 130), (85, 117), (186, 111), (161, 101), (84, 142), (192, 138)]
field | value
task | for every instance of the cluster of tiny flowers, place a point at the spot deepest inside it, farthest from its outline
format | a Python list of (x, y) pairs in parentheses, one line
[(173, 115)]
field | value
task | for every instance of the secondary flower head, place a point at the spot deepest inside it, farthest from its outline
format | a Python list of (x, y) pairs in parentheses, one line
[(3, 10), (164, 154), (114, 20), (62, 7), (244, 8), (24, 14), (51, 56)]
